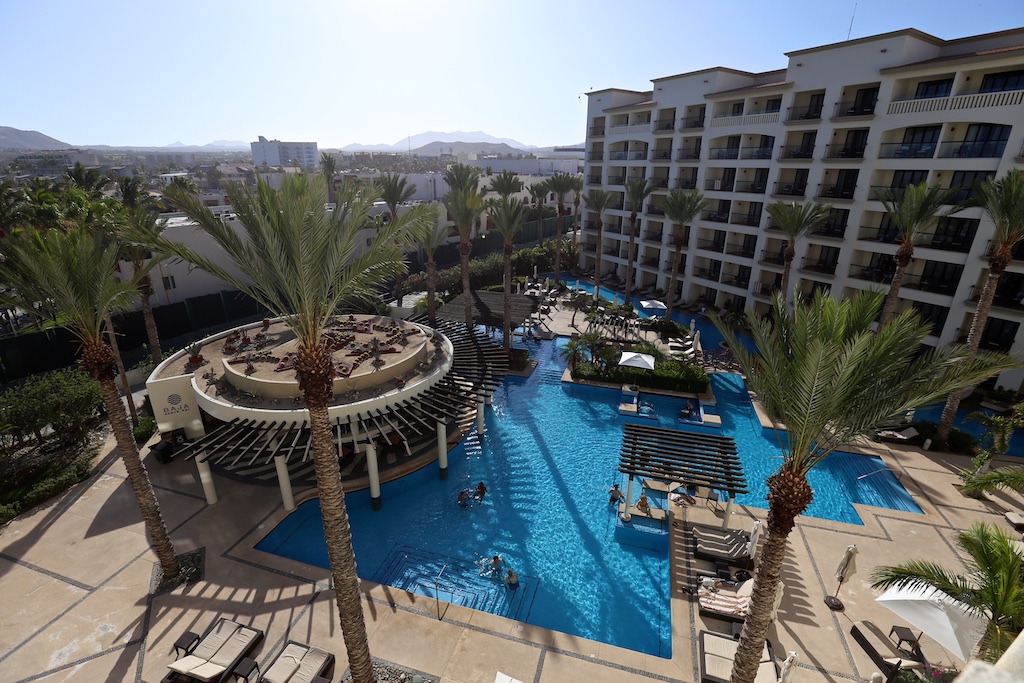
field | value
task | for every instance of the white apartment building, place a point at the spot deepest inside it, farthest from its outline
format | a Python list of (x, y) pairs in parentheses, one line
[(838, 124), (277, 153)]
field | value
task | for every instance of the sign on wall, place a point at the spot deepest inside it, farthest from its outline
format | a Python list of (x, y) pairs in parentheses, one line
[(174, 405)]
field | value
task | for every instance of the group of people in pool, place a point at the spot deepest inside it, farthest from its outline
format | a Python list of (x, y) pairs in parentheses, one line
[(494, 568), (466, 499), (616, 496)]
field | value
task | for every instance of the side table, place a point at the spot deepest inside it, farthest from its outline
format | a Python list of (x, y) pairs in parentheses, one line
[(245, 669), (185, 644), (905, 635)]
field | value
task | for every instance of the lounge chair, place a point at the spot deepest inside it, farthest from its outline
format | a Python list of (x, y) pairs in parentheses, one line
[(1015, 518), (716, 544), (727, 602), (299, 663), (903, 435), (717, 653), (215, 655), (881, 649)]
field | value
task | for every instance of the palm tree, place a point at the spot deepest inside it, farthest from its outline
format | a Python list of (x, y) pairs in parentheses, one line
[(462, 177), (132, 191), (70, 279), (637, 190), (578, 302), (913, 210), (598, 201), (144, 221), (328, 166), (506, 184), (681, 208), (573, 352), (795, 220), (561, 184), (508, 214), (428, 237), (539, 195), (464, 208), (1003, 201), (182, 183), (1001, 478), (302, 262), (823, 372), (13, 206), (394, 190), (991, 584), (88, 179), (577, 195)]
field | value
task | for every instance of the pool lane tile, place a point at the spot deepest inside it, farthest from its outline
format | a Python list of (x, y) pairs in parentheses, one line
[(477, 656)]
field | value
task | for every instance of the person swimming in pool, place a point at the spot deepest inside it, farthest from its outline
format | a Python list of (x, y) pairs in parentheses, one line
[(511, 580), (480, 492), (615, 495), (496, 565), (464, 499)]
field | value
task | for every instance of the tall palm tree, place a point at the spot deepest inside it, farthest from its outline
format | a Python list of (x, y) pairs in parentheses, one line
[(598, 201), (429, 237), (795, 221), (1003, 201), (991, 584), (823, 372), (561, 184), (681, 208), (508, 214), (506, 184), (132, 192), (462, 177), (637, 190), (395, 190), (13, 206), (913, 210), (70, 279), (464, 208), (144, 221), (301, 262), (539, 195), (328, 166), (577, 196), (88, 179)]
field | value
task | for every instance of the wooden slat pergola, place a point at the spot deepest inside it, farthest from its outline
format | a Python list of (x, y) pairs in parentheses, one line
[(488, 309), (675, 455)]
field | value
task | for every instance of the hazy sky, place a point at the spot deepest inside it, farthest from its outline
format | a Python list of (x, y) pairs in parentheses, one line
[(337, 72)]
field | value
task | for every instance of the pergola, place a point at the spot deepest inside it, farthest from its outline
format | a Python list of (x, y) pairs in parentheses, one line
[(686, 457), (488, 309)]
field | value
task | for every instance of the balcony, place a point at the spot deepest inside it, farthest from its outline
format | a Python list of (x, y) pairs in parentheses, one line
[(654, 236), (616, 180), (638, 155), (660, 183), (664, 126), (590, 225), (789, 189), (610, 251), (661, 155), (613, 229), (877, 192), (595, 156), (715, 216), (616, 206), (837, 230), (617, 155), (724, 153), (766, 289), (826, 191), (773, 257), (745, 219), (596, 131), (946, 242), (962, 195), (686, 183), (972, 149), (817, 265), (707, 274), (688, 154), (589, 248), (654, 210), (691, 123), (719, 184), (741, 281), (871, 273), (888, 235), (650, 261), (593, 180), (751, 186), (740, 250), (944, 285), (796, 152), (853, 108), (752, 119), (906, 150), (712, 245), (756, 152), (805, 113), (843, 152), (1008, 98)]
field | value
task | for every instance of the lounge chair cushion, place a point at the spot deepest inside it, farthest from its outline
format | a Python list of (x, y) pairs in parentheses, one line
[(231, 651), (1014, 518), (286, 664), (215, 639), (717, 654), (186, 664), (725, 601), (724, 646), (208, 671), (313, 664), (904, 435)]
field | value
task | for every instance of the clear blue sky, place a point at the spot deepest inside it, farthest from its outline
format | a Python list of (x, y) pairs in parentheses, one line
[(337, 72)]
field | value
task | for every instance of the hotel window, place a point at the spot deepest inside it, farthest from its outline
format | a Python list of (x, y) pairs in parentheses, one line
[(169, 282), (929, 89), (737, 109), (933, 314), (967, 181), (773, 105), (1004, 80)]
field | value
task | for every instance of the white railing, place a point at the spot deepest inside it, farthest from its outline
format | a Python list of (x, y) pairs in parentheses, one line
[(748, 120), (1007, 98)]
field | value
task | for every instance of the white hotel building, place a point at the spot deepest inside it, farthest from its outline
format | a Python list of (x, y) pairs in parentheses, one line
[(838, 124)]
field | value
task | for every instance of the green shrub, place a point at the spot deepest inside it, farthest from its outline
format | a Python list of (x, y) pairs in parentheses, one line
[(145, 429), (67, 400), (670, 375), (55, 483), (8, 512), (959, 441)]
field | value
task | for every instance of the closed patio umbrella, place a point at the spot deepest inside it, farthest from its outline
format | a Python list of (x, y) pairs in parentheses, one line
[(651, 303), (755, 536), (788, 667), (637, 360), (948, 622), (779, 592), (847, 565)]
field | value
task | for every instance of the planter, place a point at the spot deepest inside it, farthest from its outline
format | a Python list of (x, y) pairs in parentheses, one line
[(195, 360), (266, 323)]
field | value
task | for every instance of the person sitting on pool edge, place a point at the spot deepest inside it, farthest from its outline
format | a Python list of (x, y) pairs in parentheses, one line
[(480, 492), (511, 580), (615, 495), (643, 505)]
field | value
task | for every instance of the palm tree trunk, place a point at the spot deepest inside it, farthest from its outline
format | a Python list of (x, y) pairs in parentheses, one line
[(315, 371), (988, 292), (787, 265), (676, 258), (464, 265), (145, 292), (507, 298), (132, 410), (142, 487), (889, 308), (431, 287), (629, 257), (558, 244), (597, 261)]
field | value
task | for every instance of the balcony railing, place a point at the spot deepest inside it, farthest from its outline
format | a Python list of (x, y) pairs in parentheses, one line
[(659, 182), (719, 184), (655, 210), (888, 235), (906, 150), (936, 285), (613, 229), (742, 281), (972, 149), (790, 189), (653, 236), (853, 108), (715, 216), (831, 230), (756, 152), (817, 265), (740, 250), (773, 257), (843, 152), (664, 125), (831, 191), (617, 155), (688, 154), (796, 152), (668, 268), (661, 155), (686, 183), (876, 192), (590, 225), (766, 289), (751, 186), (596, 131), (745, 219), (589, 248), (616, 180), (634, 177), (805, 113), (711, 245), (636, 155), (650, 261), (725, 153), (945, 242), (616, 206), (1009, 98), (595, 156), (872, 273), (691, 122), (962, 195), (593, 180), (610, 251), (707, 273)]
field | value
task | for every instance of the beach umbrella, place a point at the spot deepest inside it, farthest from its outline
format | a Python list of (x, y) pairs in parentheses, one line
[(755, 536), (846, 567), (788, 667), (616, 299), (693, 325), (651, 303), (778, 600), (696, 340), (637, 360), (949, 623)]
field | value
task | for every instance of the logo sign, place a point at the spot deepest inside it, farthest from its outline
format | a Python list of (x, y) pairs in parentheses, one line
[(176, 405), (174, 399)]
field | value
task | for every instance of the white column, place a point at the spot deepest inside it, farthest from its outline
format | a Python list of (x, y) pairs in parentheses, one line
[(374, 474), (490, 398), (206, 479), (728, 512), (480, 417), (629, 500), (442, 448), (284, 481)]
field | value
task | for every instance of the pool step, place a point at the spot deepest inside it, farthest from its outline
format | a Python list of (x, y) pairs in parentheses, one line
[(456, 581)]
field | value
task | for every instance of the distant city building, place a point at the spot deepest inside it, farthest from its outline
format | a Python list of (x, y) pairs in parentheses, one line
[(277, 153)]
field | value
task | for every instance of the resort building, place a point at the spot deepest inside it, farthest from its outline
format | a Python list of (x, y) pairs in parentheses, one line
[(839, 124), (277, 153)]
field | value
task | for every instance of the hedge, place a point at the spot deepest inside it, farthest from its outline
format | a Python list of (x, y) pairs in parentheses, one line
[(670, 375), (46, 488)]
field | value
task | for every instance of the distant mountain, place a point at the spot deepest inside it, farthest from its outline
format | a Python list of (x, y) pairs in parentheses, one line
[(436, 149), (227, 144), (13, 138), (176, 144), (421, 140)]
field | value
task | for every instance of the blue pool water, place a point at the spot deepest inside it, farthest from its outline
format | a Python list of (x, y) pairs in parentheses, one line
[(975, 429), (548, 457)]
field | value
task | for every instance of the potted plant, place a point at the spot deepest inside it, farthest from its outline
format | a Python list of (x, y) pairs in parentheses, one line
[(266, 323), (194, 350)]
